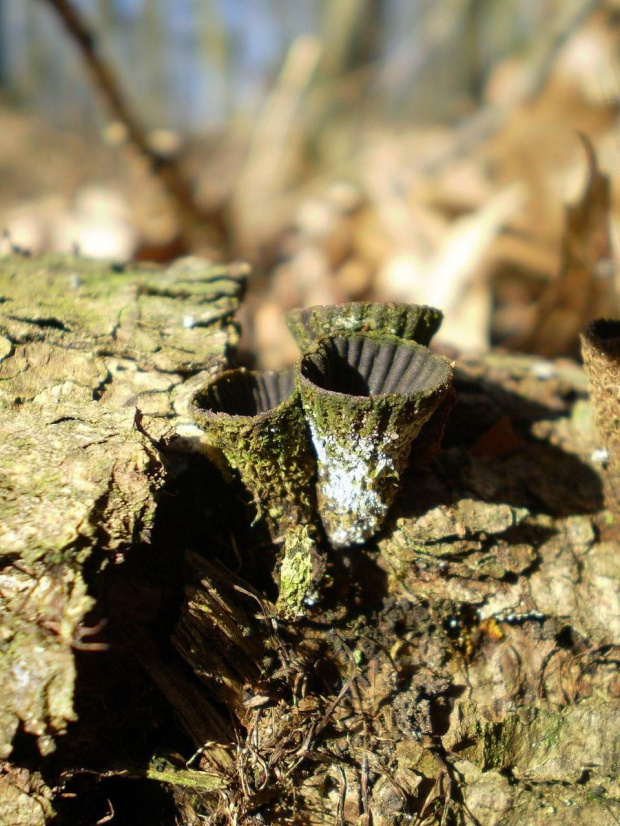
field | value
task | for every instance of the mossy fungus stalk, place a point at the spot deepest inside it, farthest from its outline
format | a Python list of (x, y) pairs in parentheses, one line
[(412, 322), (256, 421), (366, 399), (600, 347)]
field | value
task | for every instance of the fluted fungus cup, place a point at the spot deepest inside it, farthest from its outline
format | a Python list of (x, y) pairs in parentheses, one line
[(366, 398), (256, 421), (600, 347), (412, 322)]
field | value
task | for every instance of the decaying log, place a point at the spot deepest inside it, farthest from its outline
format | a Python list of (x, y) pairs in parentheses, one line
[(461, 668)]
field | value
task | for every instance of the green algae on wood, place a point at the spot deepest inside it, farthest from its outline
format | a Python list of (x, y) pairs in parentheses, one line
[(171, 320), (86, 348), (548, 744), (165, 770), (37, 669)]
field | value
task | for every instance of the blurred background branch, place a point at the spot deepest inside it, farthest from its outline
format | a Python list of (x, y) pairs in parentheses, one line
[(393, 149), (191, 215)]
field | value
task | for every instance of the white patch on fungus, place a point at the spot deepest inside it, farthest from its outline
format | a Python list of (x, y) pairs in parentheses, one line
[(351, 485)]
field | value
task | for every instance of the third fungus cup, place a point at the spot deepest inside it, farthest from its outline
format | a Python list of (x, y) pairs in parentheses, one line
[(366, 399), (412, 322)]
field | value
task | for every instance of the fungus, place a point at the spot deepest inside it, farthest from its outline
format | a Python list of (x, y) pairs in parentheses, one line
[(366, 398), (256, 421), (413, 322)]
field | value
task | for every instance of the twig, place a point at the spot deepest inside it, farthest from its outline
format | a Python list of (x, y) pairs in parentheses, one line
[(191, 216), (332, 706)]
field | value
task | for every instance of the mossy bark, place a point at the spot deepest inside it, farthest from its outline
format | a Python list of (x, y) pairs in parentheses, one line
[(89, 357)]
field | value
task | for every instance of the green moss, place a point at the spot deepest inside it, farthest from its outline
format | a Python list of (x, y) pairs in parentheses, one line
[(273, 457), (298, 576)]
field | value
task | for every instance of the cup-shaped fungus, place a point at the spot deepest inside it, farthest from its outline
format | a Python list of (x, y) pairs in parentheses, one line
[(256, 421), (366, 398), (412, 322), (600, 347)]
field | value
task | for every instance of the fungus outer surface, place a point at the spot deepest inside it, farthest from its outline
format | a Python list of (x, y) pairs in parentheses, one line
[(600, 347), (366, 399), (256, 421)]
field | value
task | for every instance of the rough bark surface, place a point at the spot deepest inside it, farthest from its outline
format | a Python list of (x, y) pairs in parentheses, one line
[(87, 357), (462, 668)]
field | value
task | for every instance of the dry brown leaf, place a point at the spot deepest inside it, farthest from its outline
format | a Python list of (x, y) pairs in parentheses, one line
[(584, 288)]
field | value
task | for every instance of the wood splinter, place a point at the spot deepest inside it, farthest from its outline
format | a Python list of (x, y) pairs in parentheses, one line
[(600, 347)]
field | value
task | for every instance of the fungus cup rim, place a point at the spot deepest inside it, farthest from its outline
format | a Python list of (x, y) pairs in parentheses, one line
[(380, 337), (206, 414), (301, 315)]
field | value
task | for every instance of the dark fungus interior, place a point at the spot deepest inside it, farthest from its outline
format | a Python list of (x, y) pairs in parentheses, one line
[(361, 366), (243, 393), (605, 329)]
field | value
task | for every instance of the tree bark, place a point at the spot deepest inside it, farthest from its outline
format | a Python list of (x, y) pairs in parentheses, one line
[(88, 358)]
